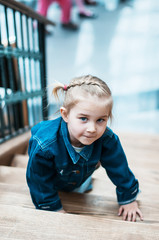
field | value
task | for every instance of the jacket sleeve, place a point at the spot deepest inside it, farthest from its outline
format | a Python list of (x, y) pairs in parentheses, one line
[(40, 178), (114, 161)]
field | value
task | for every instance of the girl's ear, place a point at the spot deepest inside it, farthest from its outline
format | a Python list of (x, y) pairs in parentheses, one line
[(64, 114)]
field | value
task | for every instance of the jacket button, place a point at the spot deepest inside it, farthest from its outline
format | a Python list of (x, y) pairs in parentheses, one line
[(73, 183)]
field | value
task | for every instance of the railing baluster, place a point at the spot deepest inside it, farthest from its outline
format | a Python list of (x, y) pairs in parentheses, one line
[(38, 107), (41, 31), (11, 75), (30, 72), (19, 85), (2, 123), (24, 66), (4, 86)]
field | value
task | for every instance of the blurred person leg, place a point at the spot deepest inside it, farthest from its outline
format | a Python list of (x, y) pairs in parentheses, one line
[(42, 9), (124, 1), (83, 12), (43, 6), (66, 6), (90, 2)]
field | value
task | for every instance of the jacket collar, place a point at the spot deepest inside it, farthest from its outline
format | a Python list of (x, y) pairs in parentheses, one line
[(86, 151)]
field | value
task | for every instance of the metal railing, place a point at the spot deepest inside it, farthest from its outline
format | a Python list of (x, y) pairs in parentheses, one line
[(23, 100)]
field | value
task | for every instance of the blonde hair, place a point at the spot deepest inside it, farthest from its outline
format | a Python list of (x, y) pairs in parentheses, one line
[(80, 86)]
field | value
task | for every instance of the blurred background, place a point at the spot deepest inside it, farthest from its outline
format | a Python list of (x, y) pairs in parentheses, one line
[(120, 46)]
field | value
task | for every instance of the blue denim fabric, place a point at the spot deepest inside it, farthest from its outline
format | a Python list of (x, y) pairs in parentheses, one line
[(55, 166)]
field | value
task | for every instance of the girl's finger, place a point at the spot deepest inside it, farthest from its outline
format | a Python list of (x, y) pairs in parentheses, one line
[(130, 217), (140, 214), (120, 211), (125, 214), (134, 217)]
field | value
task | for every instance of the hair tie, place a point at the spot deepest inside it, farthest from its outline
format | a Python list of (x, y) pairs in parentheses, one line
[(65, 88)]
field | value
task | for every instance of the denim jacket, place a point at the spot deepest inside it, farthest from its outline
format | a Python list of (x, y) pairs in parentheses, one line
[(55, 166)]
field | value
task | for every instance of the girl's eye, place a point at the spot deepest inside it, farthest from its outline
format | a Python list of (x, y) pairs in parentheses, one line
[(84, 119), (100, 120)]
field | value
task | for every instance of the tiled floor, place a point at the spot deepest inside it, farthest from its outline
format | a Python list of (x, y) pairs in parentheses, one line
[(121, 46)]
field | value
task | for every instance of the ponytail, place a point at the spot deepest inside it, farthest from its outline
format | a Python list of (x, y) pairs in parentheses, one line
[(59, 87)]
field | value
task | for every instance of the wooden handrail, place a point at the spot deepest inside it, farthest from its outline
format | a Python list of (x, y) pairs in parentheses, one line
[(17, 145), (20, 7)]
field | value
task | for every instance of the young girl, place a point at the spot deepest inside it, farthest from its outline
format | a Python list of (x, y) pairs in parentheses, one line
[(63, 153)]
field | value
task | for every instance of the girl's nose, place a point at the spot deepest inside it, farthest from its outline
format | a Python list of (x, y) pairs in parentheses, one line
[(91, 128)]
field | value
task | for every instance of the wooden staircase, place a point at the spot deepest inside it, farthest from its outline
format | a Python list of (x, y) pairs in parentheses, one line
[(89, 216)]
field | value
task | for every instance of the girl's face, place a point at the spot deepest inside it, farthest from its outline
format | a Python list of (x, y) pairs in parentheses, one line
[(87, 120)]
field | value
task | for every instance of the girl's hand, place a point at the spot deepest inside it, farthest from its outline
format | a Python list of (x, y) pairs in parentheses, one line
[(130, 212)]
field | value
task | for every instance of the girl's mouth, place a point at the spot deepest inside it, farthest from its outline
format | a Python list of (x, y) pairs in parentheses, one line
[(89, 136)]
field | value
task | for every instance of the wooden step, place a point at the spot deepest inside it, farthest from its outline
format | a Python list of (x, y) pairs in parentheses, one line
[(26, 224), (102, 186), (12, 175), (17, 145), (148, 182), (20, 160), (82, 204), (140, 141), (15, 195)]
